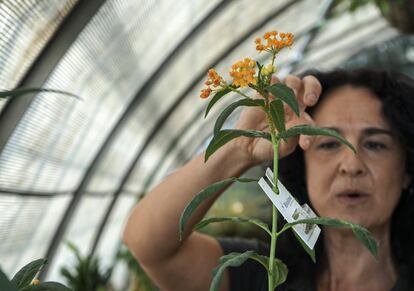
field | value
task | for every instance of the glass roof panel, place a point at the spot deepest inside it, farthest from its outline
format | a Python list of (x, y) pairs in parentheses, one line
[(26, 27), (113, 166), (81, 232), (108, 247), (59, 136), (27, 225)]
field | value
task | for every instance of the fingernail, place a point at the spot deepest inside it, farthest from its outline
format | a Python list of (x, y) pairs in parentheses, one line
[(311, 98), (306, 144), (311, 139)]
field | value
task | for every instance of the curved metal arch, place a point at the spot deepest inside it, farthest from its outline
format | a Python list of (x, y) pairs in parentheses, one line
[(171, 146), (42, 67), (44, 64)]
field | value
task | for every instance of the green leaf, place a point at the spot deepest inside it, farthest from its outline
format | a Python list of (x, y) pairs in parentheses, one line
[(216, 98), (281, 272), (254, 221), (259, 72), (68, 276), (205, 194), (277, 112), (226, 135), (366, 238), (361, 233), (229, 260), (279, 268), (309, 251), (306, 129), (263, 260), (5, 284), (327, 221), (26, 274), (74, 249), (23, 91), (47, 286), (237, 259), (285, 93), (229, 109)]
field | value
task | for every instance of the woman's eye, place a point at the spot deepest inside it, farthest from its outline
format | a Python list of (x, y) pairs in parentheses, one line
[(374, 145), (329, 145)]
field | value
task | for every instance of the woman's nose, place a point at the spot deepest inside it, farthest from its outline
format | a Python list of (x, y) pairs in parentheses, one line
[(352, 164)]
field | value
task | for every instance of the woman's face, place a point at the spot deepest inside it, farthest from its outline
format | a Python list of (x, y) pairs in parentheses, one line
[(363, 188)]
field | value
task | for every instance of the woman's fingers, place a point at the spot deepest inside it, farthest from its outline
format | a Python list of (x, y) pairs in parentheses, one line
[(305, 141), (312, 89), (296, 85), (275, 79), (307, 91)]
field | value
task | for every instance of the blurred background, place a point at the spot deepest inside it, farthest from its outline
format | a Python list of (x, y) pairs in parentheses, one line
[(71, 169)]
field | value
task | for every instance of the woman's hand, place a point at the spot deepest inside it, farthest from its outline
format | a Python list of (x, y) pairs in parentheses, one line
[(307, 91)]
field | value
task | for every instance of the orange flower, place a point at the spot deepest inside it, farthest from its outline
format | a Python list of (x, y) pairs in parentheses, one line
[(243, 73), (259, 46), (275, 41), (205, 93), (213, 80)]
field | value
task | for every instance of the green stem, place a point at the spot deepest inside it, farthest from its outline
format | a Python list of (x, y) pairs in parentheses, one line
[(275, 142), (238, 92), (273, 58)]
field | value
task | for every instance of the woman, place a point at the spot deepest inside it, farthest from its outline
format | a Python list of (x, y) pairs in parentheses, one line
[(372, 110)]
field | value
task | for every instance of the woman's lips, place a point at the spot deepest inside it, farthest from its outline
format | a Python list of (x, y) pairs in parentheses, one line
[(352, 197)]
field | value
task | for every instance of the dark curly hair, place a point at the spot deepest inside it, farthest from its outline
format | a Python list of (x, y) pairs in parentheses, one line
[(396, 92)]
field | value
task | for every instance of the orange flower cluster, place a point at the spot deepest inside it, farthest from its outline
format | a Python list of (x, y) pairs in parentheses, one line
[(243, 73), (275, 41), (214, 80)]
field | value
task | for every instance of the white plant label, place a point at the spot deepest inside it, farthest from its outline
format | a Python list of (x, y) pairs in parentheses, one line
[(291, 210)]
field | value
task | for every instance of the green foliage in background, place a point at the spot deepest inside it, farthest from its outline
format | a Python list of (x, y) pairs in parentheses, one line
[(353, 5), (86, 274)]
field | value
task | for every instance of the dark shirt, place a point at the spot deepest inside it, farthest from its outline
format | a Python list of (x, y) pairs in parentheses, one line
[(251, 276)]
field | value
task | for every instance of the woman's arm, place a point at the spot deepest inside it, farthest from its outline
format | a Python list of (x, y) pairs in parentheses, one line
[(152, 230)]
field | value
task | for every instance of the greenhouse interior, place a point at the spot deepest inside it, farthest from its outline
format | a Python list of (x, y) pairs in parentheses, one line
[(100, 102)]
